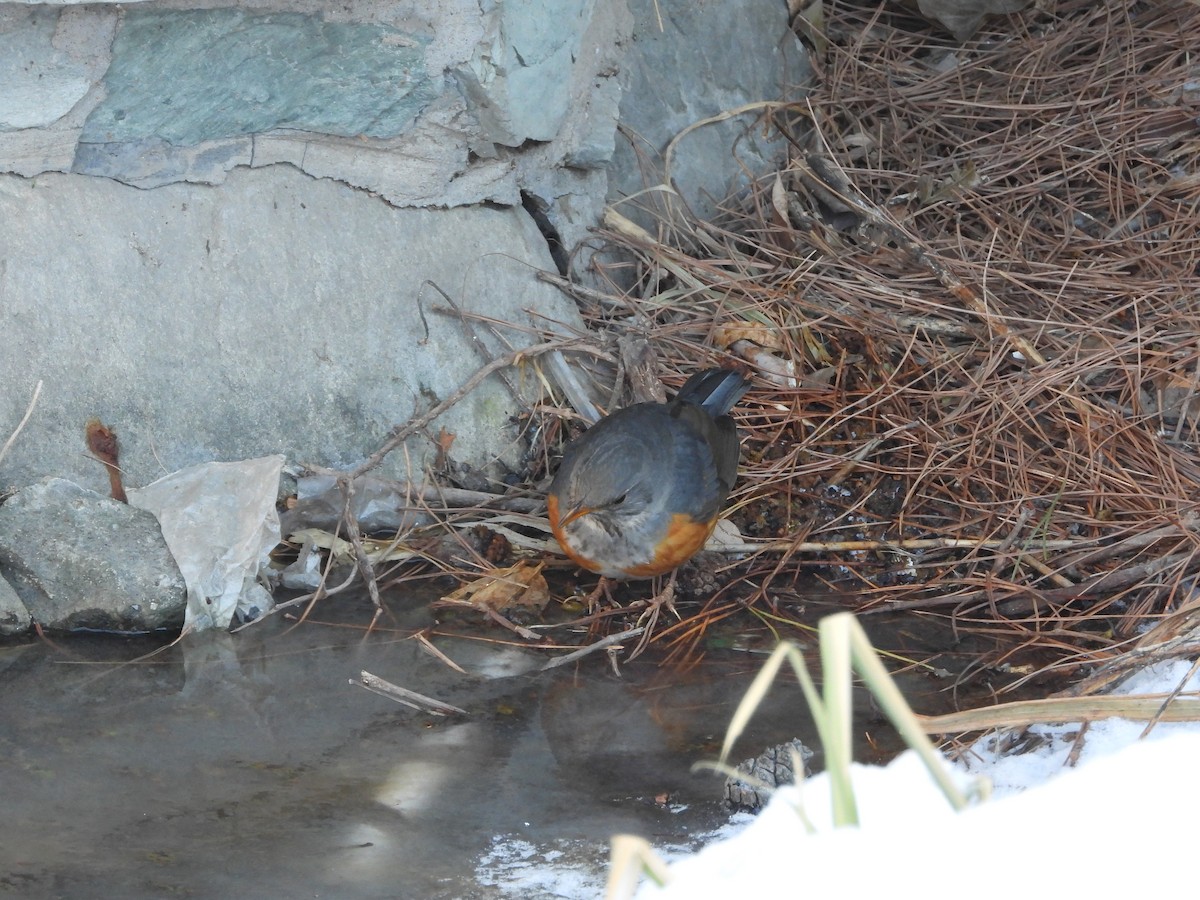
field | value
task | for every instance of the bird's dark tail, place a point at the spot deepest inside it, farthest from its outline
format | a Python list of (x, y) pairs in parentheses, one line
[(714, 390)]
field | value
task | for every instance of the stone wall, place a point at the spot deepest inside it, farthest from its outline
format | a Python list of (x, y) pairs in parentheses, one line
[(218, 220)]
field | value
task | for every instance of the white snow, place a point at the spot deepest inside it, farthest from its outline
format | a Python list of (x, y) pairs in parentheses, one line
[(1120, 823)]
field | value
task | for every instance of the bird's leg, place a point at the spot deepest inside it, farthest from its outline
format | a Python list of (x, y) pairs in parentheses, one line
[(666, 597), (603, 589), (649, 618)]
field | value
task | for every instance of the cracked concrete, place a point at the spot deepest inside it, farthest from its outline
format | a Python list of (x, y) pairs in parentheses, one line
[(275, 313)]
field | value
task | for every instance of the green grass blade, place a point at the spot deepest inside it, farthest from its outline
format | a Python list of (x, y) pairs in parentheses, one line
[(893, 704), (837, 716)]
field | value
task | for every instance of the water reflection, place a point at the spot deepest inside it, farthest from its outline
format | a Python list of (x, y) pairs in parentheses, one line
[(247, 764)]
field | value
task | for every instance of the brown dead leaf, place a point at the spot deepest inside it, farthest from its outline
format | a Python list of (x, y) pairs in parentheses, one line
[(773, 368), (445, 440), (779, 203), (1176, 396), (518, 587), (730, 333), (102, 442), (760, 346), (494, 547)]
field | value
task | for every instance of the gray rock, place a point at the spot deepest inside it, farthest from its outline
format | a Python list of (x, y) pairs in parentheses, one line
[(277, 313), (705, 59), (187, 76), (273, 314), (772, 768), (519, 84), (48, 63), (423, 104), (37, 95), (438, 104), (152, 162), (14, 617), (81, 560)]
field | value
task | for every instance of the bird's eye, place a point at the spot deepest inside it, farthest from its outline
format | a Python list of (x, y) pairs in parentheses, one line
[(621, 499)]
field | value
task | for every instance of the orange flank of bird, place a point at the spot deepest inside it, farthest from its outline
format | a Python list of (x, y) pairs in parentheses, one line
[(684, 537)]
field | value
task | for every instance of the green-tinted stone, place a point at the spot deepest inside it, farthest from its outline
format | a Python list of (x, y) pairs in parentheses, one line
[(198, 75)]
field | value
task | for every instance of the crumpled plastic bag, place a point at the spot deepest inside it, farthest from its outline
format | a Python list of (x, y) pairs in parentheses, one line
[(220, 524)]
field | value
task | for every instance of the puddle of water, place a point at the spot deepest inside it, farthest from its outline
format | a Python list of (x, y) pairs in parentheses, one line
[(248, 765)]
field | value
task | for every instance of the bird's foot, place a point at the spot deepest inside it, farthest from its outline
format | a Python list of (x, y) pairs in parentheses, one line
[(664, 599), (602, 590)]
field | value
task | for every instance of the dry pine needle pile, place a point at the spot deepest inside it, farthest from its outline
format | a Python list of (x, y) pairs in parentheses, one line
[(976, 285)]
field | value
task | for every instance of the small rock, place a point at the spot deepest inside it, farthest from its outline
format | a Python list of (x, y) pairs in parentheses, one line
[(770, 769), (78, 559), (14, 617)]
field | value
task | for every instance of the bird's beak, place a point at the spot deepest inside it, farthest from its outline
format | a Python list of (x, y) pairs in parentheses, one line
[(575, 512), (567, 516)]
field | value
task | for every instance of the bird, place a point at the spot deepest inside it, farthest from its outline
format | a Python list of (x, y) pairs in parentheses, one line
[(640, 492)]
